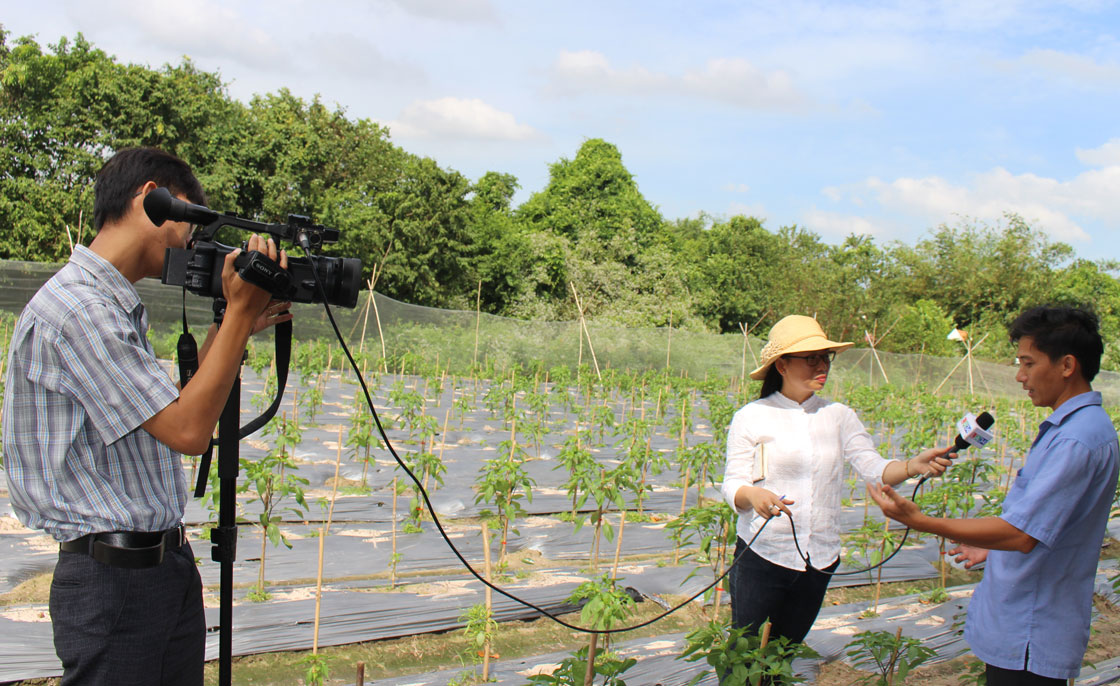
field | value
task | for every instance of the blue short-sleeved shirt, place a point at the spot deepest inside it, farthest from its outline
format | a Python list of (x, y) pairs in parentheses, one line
[(82, 378), (1032, 610)]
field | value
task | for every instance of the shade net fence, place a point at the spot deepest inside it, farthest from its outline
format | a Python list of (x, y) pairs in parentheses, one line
[(386, 329)]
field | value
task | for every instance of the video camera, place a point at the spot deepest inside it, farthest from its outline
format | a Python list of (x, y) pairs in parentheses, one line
[(198, 268)]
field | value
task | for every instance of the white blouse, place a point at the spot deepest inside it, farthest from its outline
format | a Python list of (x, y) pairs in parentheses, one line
[(801, 446)]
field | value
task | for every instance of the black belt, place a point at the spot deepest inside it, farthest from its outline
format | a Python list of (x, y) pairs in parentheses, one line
[(129, 549)]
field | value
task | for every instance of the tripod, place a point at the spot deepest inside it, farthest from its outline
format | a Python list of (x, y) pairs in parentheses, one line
[(224, 536)]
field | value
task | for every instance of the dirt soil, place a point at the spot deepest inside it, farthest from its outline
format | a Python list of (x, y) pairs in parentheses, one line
[(1104, 644)]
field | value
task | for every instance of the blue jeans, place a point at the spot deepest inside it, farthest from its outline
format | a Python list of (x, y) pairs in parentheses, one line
[(762, 590), (129, 626)]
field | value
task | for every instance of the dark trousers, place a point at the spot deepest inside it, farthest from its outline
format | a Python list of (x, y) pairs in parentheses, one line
[(762, 590), (129, 626), (998, 676)]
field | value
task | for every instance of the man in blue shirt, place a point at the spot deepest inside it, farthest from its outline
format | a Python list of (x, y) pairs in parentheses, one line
[(1029, 618), (94, 427)]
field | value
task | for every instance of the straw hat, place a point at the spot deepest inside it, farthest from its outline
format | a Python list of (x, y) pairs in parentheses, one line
[(794, 334)]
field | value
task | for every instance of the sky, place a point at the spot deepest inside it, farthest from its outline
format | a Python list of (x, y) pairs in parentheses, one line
[(881, 118)]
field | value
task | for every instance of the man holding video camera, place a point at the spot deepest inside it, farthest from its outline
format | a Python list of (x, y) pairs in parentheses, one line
[(93, 429)]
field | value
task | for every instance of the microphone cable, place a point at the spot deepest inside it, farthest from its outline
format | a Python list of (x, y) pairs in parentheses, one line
[(467, 564)]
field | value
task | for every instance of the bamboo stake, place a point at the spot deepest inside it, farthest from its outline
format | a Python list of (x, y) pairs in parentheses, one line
[(393, 554), (489, 598), (962, 361), (381, 335), (618, 545), (365, 316), (743, 356), (669, 342), (589, 676), (477, 321), (318, 592), (583, 324), (719, 570), (81, 226), (443, 438), (969, 356)]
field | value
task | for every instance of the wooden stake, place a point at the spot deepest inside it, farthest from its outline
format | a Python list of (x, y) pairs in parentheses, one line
[(583, 325), (669, 341), (719, 571), (618, 545), (365, 315), (392, 566), (477, 321), (489, 597), (589, 676), (381, 335), (964, 359), (318, 592)]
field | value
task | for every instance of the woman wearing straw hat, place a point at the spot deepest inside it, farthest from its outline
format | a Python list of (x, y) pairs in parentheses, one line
[(785, 453)]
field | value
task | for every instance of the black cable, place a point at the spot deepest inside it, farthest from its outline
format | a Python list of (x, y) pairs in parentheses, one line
[(459, 555), (905, 534)]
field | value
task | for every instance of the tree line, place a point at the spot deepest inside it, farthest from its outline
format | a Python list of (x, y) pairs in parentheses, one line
[(435, 237)]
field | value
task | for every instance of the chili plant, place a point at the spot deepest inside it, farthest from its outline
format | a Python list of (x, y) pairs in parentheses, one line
[(271, 482), (362, 436), (893, 656), (504, 484), (712, 524), (583, 471), (607, 491), (606, 604), (738, 657), (866, 547), (480, 628)]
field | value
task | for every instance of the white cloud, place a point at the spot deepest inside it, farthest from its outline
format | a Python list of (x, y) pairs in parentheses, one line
[(458, 11), (732, 80), (756, 210), (839, 225), (202, 27), (588, 70), (459, 118), (1106, 155), (738, 82), (1055, 206), (737, 188), (1069, 67), (351, 55)]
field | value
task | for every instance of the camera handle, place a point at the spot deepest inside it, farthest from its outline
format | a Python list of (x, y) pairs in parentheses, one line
[(282, 355)]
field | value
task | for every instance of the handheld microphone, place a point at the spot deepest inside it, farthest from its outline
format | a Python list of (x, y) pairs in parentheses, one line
[(973, 431), (161, 206)]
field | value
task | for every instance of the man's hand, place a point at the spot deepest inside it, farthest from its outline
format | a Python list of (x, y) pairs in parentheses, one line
[(242, 297), (969, 555), (276, 312), (893, 505)]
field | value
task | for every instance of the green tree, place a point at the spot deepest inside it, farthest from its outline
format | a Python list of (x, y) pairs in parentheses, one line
[(63, 112)]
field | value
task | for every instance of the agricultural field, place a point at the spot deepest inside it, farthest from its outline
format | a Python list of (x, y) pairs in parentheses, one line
[(591, 493)]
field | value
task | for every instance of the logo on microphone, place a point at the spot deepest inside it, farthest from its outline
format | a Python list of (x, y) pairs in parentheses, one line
[(971, 431)]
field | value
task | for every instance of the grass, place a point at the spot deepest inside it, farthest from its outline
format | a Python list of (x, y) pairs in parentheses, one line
[(36, 590)]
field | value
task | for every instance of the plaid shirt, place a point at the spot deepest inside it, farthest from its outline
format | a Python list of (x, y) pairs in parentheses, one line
[(82, 378)]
